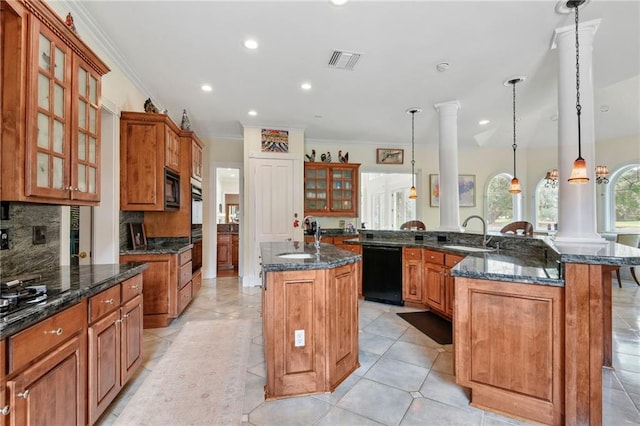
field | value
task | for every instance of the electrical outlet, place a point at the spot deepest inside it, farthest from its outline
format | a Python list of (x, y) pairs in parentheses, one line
[(39, 235), (298, 338), (4, 239)]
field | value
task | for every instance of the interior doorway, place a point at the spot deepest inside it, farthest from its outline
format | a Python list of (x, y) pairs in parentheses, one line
[(228, 215)]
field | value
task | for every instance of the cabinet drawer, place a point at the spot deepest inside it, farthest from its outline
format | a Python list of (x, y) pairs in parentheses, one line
[(29, 344), (131, 288), (196, 282), (185, 274), (451, 260), (104, 302), (434, 257), (412, 253), (184, 297), (184, 257)]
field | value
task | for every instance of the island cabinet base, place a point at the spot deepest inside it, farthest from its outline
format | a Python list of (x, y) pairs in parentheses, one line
[(509, 340), (310, 329)]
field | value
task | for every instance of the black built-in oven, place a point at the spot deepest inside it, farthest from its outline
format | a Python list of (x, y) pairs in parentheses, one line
[(171, 190)]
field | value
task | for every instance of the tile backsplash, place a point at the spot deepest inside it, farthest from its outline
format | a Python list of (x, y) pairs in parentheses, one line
[(23, 256)]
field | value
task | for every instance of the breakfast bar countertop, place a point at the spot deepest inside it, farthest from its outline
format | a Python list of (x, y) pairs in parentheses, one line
[(328, 256), (66, 286)]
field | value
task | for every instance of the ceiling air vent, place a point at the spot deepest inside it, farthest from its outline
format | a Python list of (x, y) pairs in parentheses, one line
[(344, 60)]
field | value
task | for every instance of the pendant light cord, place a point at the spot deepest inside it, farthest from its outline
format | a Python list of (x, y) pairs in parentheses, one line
[(514, 146), (578, 106), (413, 161)]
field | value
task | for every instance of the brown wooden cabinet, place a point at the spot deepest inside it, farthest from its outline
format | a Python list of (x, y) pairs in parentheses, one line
[(167, 290), (331, 189), (147, 145), (50, 88), (434, 293), (509, 340), (47, 370), (321, 308), (115, 342), (196, 157), (224, 252), (412, 268), (450, 260)]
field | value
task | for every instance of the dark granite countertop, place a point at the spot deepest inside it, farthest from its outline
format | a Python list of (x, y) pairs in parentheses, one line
[(337, 232), (160, 248), (66, 286), (327, 257)]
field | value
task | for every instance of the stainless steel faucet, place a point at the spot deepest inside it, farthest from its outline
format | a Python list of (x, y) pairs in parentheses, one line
[(484, 228)]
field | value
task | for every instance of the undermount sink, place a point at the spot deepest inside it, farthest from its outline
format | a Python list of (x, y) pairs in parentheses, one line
[(295, 255), (469, 248)]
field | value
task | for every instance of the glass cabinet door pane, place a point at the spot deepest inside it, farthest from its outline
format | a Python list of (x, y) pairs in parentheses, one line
[(43, 130), (44, 53), (92, 180), (82, 114), (311, 173), (93, 113), (93, 143), (43, 170), (82, 176), (82, 149), (82, 81), (58, 100), (58, 172), (58, 70), (43, 92), (322, 184), (58, 136), (322, 174), (93, 90)]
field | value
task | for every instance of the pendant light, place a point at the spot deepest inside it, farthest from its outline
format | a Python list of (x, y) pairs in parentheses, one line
[(413, 194), (551, 179), (579, 171), (515, 184)]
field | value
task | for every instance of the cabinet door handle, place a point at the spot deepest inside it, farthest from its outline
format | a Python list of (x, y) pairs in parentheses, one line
[(5, 410), (134, 287), (125, 316), (57, 332), (118, 321), (109, 301), (24, 394)]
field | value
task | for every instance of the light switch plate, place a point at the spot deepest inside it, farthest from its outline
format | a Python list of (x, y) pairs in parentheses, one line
[(298, 338), (4, 239)]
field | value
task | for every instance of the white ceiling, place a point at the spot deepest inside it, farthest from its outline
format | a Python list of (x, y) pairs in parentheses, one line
[(173, 47)]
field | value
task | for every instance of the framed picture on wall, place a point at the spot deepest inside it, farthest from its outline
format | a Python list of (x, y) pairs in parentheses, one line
[(138, 236), (389, 156), (466, 190)]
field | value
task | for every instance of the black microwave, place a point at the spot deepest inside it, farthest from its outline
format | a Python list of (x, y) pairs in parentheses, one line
[(171, 190)]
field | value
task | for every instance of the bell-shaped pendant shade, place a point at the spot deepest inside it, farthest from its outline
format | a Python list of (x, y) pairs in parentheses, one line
[(413, 194), (579, 172), (515, 186)]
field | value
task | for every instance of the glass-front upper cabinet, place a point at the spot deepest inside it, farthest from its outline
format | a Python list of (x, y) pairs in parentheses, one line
[(48, 115), (85, 172), (331, 189)]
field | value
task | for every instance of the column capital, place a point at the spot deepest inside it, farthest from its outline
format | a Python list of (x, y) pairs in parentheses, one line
[(589, 27), (449, 106)]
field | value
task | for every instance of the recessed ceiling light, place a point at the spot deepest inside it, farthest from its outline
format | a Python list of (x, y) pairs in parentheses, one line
[(251, 44), (338, 2), (253, 113), (483, 122), (604, 108), (305, 86), (206, 88)]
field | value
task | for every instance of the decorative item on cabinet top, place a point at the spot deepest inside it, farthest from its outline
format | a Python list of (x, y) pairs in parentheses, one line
[(150, 107), (326, 157), (185, 124)]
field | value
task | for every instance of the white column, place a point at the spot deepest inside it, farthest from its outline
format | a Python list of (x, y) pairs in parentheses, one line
[(576, 202), (448, 159)]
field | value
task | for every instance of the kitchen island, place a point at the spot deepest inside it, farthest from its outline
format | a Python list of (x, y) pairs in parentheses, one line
[(310, 317)]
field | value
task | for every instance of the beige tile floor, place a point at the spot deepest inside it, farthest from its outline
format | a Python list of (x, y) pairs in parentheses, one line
[(405, 378)]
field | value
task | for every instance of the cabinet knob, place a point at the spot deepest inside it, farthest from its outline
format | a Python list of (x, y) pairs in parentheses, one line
[(125, 316), (24, 394), (57, 332), (134, 287), (109, 301), (119, 321), (5, 410)]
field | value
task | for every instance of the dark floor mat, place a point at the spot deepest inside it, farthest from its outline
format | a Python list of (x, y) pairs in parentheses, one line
[(434, 326)]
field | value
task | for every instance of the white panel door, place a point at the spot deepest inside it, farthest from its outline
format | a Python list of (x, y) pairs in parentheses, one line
[(273, 202)]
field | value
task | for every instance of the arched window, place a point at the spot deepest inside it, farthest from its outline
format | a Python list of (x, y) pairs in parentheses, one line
[(546, 202), (500, 203), (625, 185)]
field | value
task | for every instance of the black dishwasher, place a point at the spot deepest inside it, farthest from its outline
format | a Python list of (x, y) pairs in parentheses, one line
[(382, 274)]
